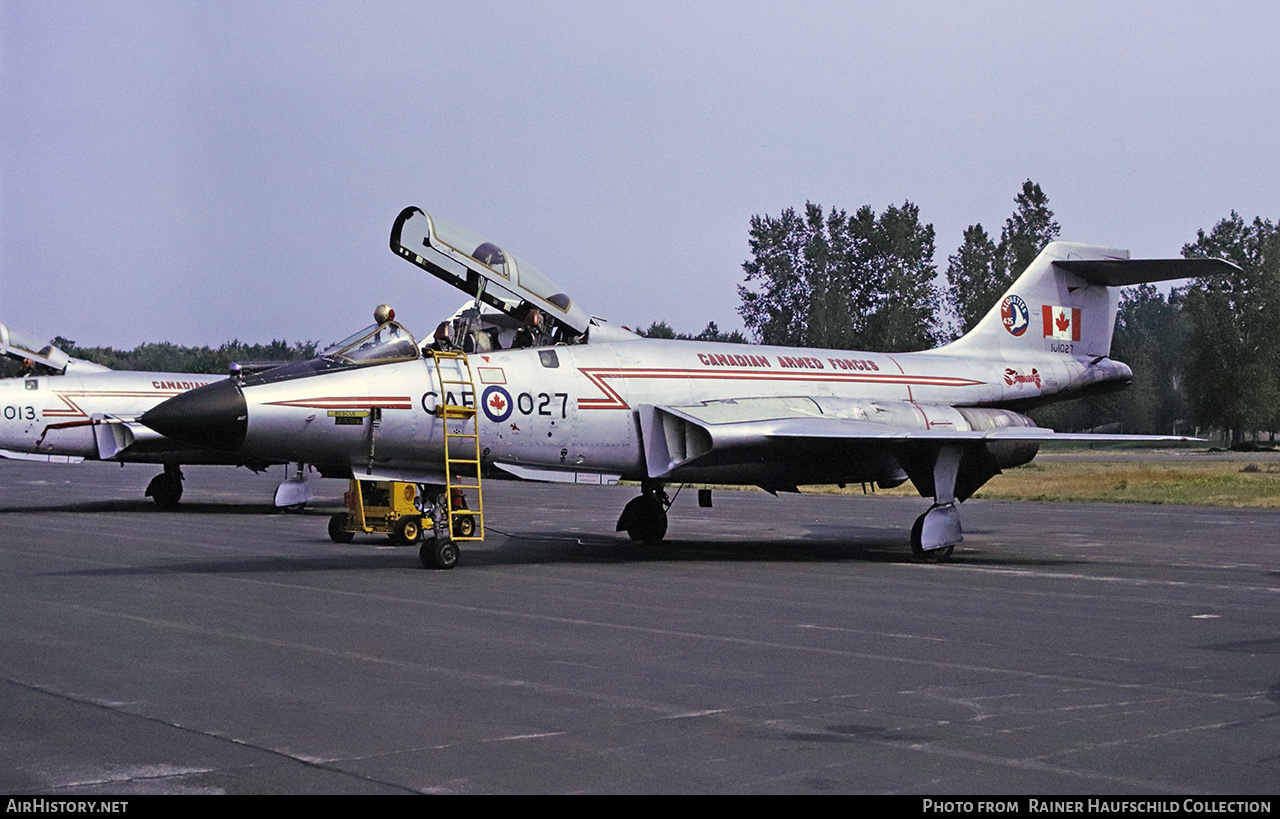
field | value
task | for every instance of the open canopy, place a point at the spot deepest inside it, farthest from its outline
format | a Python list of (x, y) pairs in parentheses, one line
[(23, 347), (483, 270)]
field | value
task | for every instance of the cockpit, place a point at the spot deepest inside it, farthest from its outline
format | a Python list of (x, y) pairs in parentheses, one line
[(496, 279), (384, 343), (34, 356), (514, 304)]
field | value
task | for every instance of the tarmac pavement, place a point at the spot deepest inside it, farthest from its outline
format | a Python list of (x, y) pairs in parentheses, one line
[(771, 645)]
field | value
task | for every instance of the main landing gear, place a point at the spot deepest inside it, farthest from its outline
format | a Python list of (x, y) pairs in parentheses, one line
[(644, 519), (166, 488), (936, 533)]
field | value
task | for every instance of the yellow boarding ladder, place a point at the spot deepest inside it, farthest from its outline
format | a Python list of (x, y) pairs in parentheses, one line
[(461, 443)]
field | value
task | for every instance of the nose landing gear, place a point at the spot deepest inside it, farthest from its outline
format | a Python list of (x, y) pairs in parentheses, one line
[(644, 519), (166, 488)]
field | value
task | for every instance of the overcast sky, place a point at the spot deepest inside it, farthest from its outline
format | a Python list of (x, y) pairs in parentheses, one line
[(196, 172)]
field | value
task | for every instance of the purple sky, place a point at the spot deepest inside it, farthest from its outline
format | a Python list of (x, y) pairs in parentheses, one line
[(196, 172)]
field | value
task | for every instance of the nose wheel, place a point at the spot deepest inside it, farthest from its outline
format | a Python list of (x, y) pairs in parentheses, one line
[(644, 519), (438, 554), (166, 488)]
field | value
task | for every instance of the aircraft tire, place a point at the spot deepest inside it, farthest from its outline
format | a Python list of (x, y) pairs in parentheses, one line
[(918, 553), (408, 530), (165, 490), (338, 532), (438, 554), (645, 520)]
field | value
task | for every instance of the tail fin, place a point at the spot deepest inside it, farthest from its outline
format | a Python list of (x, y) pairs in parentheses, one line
[(1065, 302)]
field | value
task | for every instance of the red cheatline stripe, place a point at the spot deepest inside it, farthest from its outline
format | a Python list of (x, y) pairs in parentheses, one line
[(615, 401), (349, 402)]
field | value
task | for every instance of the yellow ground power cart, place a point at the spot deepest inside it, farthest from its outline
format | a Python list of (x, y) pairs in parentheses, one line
[(404, 512)]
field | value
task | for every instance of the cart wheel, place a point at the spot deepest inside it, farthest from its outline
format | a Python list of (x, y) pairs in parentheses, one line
[(464, 526), (338, 531), (408, 530), (439, 554)]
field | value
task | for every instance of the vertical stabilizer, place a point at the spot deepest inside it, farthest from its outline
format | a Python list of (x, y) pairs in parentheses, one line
[(1055, 306)]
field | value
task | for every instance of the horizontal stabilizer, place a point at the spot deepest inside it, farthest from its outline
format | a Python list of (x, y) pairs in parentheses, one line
[(1126, 272), (1065, 303)]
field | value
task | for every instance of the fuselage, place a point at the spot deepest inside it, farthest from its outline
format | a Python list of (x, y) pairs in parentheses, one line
[(574, 408)]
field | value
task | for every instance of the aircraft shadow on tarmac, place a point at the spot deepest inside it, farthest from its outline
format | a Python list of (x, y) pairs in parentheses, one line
[(547, 548), (844, 546), (820, 544), (528, 549), (144, 506)]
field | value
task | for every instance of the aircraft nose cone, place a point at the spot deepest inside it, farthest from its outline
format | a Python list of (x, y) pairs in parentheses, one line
[(214, 416)]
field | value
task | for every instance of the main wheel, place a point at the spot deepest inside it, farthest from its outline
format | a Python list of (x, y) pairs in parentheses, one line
[(644, 519), (921, 555), (338, 531), (408, 530), (438, 554)]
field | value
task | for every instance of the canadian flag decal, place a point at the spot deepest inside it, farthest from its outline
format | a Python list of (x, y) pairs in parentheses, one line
[(1061, 322)]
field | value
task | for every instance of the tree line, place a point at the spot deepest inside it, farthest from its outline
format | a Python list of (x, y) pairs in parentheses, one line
[(1205, 357), (172, 358)]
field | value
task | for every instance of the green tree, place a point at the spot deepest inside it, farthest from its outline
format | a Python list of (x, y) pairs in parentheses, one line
[(790, 255), (1233, 375), (166, 357), (1026, 232), (660, 329), (1151, 337), (981, 271), (657, 329), (835, 281), (971, 276), (897, 254), (712, 333)]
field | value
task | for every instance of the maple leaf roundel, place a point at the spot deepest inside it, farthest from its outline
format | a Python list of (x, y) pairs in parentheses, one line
[(497, 403)]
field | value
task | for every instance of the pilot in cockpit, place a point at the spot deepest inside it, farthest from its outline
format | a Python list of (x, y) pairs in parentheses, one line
[(534, 332), (443, 338)]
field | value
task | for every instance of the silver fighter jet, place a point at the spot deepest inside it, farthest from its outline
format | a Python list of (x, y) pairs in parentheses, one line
[(559, 395)]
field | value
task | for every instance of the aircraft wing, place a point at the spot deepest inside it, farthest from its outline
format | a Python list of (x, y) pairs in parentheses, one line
[(805, 434), (31, 456)]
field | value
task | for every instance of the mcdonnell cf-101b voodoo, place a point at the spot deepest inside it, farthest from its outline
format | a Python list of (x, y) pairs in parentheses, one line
[(526, 383)]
